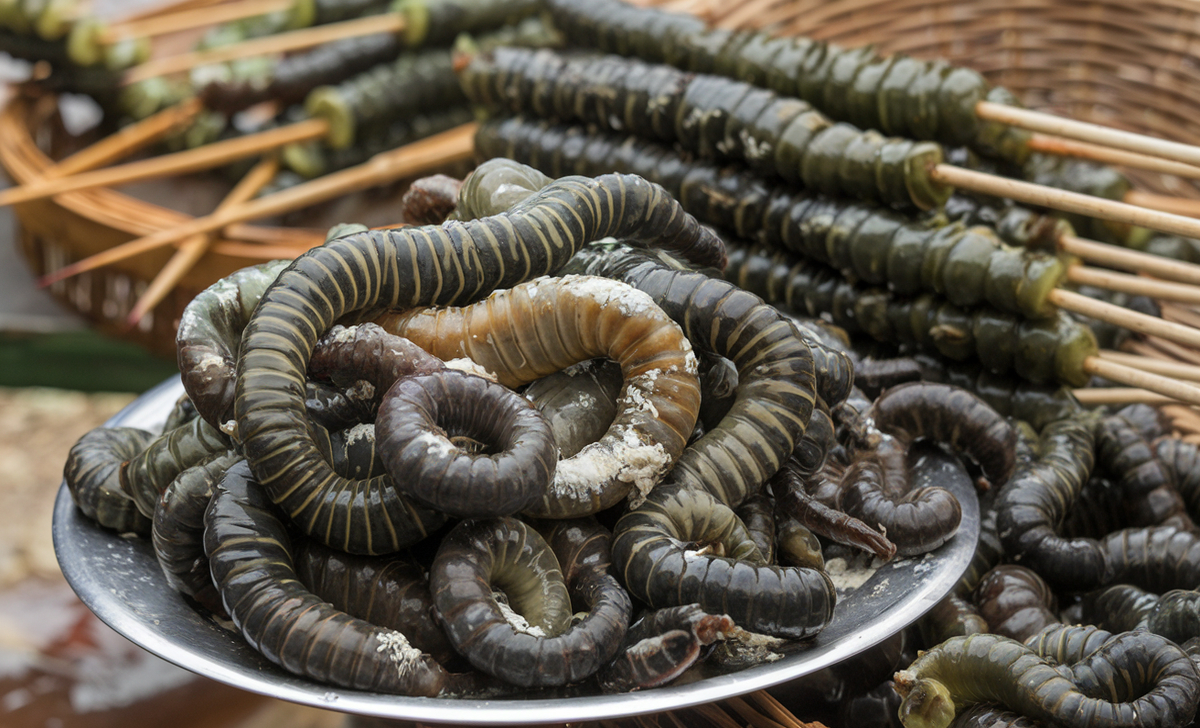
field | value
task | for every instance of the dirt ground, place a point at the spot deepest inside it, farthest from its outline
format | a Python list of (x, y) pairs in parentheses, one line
[(37, 428), (52, 650)]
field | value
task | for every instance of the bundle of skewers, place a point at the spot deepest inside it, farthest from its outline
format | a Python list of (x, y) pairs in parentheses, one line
[(908, 203)]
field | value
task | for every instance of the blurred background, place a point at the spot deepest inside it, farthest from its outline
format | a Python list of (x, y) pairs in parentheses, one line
[(59, 666)]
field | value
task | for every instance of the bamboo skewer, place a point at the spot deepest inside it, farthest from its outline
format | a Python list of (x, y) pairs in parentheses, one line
[(1085, 150), (190, 19), (1131, 260), (416, 158), (1181, 315), (1083, 131), (1178, 370), (1096, 396), (1181, 391), (1181, 353), (1183, 418), (169, 8), (1165, 203), (1040, 196), (126, 141), (1124, 317), (191, 250), (1134, 285), (280, 43), (191, 160)]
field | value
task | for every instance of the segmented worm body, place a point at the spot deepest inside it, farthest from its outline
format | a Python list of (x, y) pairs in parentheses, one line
[(875, 490), (952, 416), (1157, 559), (712, 116), (250, 556), (793, 498), (897, 94), (1119, 608), (1040, 351), (294, 76), (776, 379), (757, 514), (579, 403), (660, 553), (93, 475), (1038, 498), (146, 475), (969, 264), (412, 82), (1146, 681), (430, 200), (1015, 602), (537, 328), (1145, 482), (365, 272), (651, 662), (178, 529), (479, 556), (390, 592), (181, 413), (210, 335), (1182, 460), (421, 417)]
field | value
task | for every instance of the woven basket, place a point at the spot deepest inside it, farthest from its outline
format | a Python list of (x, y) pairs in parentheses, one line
[(1130, 65)]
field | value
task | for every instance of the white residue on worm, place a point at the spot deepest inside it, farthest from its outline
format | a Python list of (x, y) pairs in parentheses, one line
[(518, 622), (470, 367), (398, 650), (359, 432), (627, 459), (433, 444)]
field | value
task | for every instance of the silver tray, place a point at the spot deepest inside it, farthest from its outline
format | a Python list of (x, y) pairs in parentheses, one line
[(120, 580)]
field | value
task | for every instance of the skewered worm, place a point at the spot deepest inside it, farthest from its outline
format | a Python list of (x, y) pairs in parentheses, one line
[(897, 94), (968, 264), (1041, 351), (712, 116)]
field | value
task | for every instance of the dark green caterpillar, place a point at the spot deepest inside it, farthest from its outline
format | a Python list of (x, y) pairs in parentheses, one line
[(1046, 350), (896, 94), (968, 265), (714, 117)]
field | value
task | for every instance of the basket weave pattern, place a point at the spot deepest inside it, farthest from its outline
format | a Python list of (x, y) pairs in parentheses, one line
[(1133, 66)]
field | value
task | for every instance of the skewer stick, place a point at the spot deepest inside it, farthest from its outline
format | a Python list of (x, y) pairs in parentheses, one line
[(1069, 148), (1183, 418), (190, 19), (1084, 131), (1182, 391), (417, 158), (127, 140), (191, 160), (1185, 316), (1032, 194), (168, 8), (1122, 316), (194, 248), (754, 718), (1131, 260), (1134, 285), (1096, 396), (280, 43), (1181, 353), (1178, 370), (1166, 203)]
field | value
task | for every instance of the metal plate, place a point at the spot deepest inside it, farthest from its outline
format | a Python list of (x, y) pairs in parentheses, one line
[(120, 580)]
